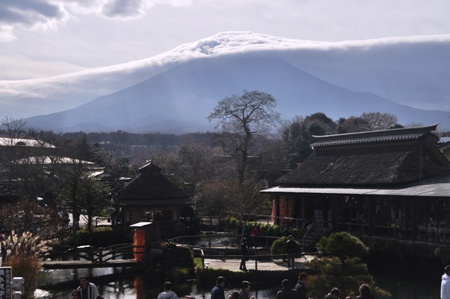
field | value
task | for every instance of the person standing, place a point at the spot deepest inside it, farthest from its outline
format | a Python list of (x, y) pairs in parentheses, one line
[(445, 283), (333, 294), (286, 291), (244, 253), (217, 291), (87, 290), (167, 293), (300, 287), (291, 248), (244, 292), (365, 292), (253, 236)]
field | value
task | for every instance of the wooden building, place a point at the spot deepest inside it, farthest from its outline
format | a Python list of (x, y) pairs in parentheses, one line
[(28, 167), (152, 197), (390, 184)]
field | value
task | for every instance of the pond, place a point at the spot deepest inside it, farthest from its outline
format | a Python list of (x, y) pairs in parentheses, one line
[(118, 284)]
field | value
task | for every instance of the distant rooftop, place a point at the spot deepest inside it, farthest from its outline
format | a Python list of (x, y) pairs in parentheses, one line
[(47, 160), (443, 140), (6, 141), (365, 137)]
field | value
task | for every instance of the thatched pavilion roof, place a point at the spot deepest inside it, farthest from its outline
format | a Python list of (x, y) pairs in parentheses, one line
[(150, 187), (384, 157)]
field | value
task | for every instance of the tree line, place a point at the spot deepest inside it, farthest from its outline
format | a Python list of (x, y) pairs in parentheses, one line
[(223, 171)]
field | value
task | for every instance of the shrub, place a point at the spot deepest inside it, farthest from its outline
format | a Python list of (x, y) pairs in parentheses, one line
[(27, 267), (329, 273), (279, 246), (177, 256), (343, 245), (182, 274), (24, 258)]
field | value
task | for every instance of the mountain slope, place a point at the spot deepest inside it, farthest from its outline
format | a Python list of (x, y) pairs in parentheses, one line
[(413, 71), (179, 100)]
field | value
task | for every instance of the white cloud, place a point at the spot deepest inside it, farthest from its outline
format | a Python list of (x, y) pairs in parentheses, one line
[(34, 67), (49, 14), (96, 33), (6, 33)]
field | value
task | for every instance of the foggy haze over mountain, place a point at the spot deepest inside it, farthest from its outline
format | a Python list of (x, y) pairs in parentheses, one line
[(175, 91)]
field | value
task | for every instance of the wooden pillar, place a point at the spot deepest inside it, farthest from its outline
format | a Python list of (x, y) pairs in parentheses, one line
[(371, 203), (414, 223), (277, 210), (333, 213), (359, 202), (304, 219)]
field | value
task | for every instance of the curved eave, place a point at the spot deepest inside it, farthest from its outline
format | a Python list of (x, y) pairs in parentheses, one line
[(432, 187)]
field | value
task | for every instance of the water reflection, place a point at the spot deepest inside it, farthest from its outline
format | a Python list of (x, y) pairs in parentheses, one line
[(118, 283)]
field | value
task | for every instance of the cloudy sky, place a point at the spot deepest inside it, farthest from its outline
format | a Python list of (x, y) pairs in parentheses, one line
[(41, 38)]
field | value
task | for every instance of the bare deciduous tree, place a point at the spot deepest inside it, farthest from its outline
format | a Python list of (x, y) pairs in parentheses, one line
[(240, 119), (379, 121)]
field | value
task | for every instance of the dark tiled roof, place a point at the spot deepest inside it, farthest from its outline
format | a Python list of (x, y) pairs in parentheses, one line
[(403, 134), (152, 187), (370, 158)]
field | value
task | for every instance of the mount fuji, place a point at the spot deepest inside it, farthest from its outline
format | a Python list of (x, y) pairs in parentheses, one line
[(174, 92)]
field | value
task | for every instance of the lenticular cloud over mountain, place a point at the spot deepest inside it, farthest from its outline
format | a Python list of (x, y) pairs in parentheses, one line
[(175, 91)]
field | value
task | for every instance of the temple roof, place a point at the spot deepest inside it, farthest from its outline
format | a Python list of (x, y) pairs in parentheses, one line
[(150, 187), (384, 157)]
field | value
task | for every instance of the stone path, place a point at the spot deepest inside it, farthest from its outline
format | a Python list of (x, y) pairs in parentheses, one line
[(233, 264)]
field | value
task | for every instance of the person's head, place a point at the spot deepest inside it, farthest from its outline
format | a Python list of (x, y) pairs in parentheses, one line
[(365, 289), (234, 295), (335, 292), (74, 294), (447, 269), (220, 280), (167, 286), (245, 285), (302, 277), (84, 282), (285, 283)]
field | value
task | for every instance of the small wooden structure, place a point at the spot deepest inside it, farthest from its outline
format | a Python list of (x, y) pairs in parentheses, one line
[(150, 197), (142, 235), (389, 183)]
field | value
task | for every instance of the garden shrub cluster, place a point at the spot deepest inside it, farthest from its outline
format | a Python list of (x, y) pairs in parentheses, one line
[(24, 259), (174, 263), (279, 246), (329, 273), (342, 266)]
